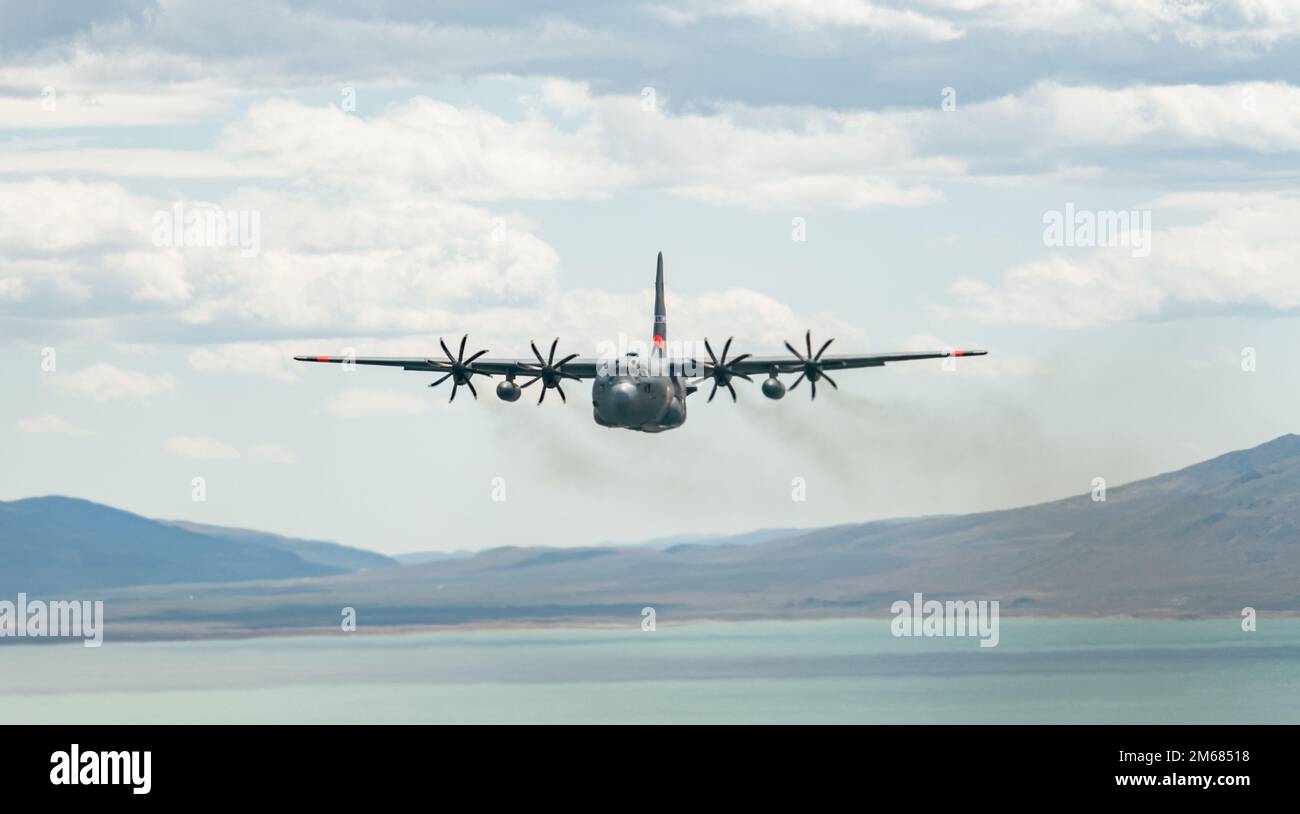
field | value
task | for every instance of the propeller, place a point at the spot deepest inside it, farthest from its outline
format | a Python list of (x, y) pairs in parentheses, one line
[(550, 372), (721, 370), (460, 371), (812, 368)]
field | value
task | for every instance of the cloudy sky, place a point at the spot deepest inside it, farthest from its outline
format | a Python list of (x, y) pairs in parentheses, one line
[(419, 173)]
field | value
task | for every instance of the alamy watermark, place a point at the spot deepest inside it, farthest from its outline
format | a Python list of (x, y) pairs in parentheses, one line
[(922, 617), (628, 356), (55, 619), (208, 227), (75, 767), (1083, 227)]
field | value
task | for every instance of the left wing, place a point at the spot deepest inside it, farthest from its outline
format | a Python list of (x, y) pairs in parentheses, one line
[(809, 365), (785, 364)]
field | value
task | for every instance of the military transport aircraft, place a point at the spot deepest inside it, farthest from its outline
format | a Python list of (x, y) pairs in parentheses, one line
[(629, 393)]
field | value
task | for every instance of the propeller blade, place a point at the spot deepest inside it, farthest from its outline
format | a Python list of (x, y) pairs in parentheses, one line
[(712, 393), (726, 348), (532, 381), (829, 379), (554, 344), (444, 350), (796, 353), (566, 360), (808, 339), (475, 356), (472, 391), (742, 357), (564, 375), (454, 387), (462, 347), (710, 350), (813, 382), (823, 350), (538, 354), (440, 381), (560, 390), (744, 376), (796, 381), (733, 392), (542, 397)]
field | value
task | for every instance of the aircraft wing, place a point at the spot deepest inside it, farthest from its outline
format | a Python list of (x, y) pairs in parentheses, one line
[(587, 368), (790, 364), (579, 368)]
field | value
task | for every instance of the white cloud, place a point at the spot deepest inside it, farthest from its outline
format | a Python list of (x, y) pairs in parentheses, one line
[(814, 14), (1057, 133), (84, 85), (762, 158), (767, 159), (104, 382), (361, 401), (1245, 254), (360, 265), (1228, 24), (811, 192), (391, 249), (1263, 116), (74, 108), (272, 360), (49, 425), (271, 454), (197, 448), (43, 216), (1198, 24), (181, 63), (467, 153), (377, 262), (127, 162)]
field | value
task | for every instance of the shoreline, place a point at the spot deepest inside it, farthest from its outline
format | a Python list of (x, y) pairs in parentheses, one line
[(161, 632)]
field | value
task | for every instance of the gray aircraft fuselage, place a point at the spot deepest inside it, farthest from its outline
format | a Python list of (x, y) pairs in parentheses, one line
[(636, 395), (629, 398)]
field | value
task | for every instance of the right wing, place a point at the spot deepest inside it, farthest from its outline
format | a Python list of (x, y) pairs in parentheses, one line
[(582, 368)]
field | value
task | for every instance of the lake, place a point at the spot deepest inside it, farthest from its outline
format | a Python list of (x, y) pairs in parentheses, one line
[(782, 672)]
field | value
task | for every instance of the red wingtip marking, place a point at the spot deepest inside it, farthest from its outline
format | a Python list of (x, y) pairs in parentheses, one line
[(959, 353), (659, 341), (322, 358)]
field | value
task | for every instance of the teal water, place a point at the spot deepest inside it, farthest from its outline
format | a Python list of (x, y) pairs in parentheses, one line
[(784, 672)]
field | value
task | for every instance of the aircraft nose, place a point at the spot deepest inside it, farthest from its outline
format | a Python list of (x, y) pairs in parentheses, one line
[(621, 397)]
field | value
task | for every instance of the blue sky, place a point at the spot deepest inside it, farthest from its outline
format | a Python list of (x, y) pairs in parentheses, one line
[(422, 172)]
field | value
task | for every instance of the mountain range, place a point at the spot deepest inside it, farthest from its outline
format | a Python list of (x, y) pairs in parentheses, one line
[(60, 545), (1206, 540)]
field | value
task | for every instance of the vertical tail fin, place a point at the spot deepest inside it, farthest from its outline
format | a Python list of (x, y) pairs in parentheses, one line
[(661, 326)]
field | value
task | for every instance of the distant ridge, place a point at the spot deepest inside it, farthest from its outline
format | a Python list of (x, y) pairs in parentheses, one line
[(417, 557), (315, 551), (62, 544)]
